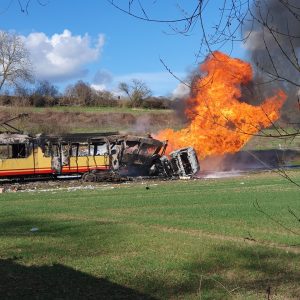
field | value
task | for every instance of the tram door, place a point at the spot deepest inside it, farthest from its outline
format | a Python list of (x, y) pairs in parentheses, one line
[(56, 161), (60, 159)]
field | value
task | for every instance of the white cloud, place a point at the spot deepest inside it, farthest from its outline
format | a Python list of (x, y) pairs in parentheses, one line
[(62, 56)]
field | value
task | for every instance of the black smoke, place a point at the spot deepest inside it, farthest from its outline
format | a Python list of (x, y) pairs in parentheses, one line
[(272, 39)]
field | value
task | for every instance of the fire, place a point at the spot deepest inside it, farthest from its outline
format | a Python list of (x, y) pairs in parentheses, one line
[(218, 122)]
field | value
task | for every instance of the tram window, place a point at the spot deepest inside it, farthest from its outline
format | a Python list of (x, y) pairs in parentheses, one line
[(132, 147), (13, 151), (83, 150), (147, 149), (100, 149), (4, 151), (74, 148), (18, 151), (92, 149)]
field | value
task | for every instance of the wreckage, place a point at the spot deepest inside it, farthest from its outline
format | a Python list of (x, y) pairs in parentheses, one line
[(94, 156)]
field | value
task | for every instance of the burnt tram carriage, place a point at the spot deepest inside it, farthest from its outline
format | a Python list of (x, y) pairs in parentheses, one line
[(94, 156)]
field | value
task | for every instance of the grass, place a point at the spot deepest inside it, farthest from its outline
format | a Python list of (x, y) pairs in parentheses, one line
[(85, 109), (200, 239), (274, 142)]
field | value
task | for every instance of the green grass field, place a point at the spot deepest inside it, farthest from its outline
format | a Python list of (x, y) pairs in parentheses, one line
[(200, 239), (262, 141), (84, 109)]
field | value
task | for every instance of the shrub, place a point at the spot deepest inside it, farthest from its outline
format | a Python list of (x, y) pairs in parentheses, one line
[(156, 103)]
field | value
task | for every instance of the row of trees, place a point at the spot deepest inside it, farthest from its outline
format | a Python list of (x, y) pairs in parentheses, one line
[(43, 94)]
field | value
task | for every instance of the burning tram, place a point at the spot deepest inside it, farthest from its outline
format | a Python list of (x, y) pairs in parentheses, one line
[(94, 156)]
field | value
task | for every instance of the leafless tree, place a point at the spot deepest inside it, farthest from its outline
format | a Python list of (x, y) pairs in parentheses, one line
[(79, 94), (104, 98), (137, 91), (46, 88), (15, 65), (44, 94)]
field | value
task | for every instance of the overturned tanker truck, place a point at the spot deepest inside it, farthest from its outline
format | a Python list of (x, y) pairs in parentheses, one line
[(94, 156)]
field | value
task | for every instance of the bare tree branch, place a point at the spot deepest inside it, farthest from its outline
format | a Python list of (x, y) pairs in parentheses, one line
[(15, 64)]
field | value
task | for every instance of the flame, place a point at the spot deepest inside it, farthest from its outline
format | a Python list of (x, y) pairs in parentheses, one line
[(218, 122)]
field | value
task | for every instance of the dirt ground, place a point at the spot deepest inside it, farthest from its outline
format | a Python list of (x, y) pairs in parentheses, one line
[(67, 184)]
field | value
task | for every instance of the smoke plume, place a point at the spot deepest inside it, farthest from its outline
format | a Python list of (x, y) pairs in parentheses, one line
[(273, 43)]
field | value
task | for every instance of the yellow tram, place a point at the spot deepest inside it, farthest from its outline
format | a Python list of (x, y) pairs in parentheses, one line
[(95, 156), (24, 155)]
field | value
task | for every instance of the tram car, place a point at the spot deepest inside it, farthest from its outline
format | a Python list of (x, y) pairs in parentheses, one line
[(94, 156)]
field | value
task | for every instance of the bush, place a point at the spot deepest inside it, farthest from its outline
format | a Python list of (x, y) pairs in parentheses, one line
[(5, 100), (37, 100), (156, 103)]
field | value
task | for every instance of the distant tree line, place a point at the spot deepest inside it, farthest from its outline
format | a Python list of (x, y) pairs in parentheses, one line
[(45, 94)]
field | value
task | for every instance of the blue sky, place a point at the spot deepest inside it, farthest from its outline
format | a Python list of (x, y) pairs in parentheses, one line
[(92, 41)]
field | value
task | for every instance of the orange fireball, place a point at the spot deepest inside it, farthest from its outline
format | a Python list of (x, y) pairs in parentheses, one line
[(218, 122)]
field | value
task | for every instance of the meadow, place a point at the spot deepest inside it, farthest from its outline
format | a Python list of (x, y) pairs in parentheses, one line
[(195, 239), (82, 109)]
